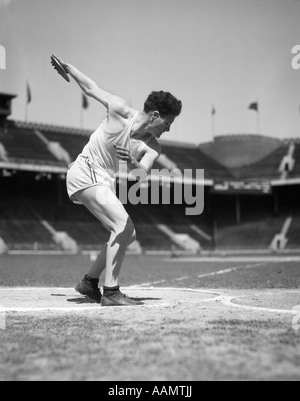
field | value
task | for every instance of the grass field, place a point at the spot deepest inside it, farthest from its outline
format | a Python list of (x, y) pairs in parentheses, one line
[(203, 319)]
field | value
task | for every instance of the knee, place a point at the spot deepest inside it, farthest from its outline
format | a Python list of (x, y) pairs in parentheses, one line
[(126, 231)]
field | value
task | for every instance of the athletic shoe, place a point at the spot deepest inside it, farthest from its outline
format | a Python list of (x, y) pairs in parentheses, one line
[(119, 300), (89, 289)]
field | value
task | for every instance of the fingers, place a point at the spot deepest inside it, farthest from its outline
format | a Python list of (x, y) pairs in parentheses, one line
[(126, 159), (122, 153), (60, 60), (123, 156), (122, 150), (120, 147)]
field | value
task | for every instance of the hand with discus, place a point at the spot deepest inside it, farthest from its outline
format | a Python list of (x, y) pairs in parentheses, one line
[(60, 66)]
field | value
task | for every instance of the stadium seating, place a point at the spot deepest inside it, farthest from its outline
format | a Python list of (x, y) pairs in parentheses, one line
[(88, 235), (24, 144), (294, 233), (296, 172), (73, 143), (194, 158), (63, 215), (174, 217), (250, 235), (26, 235), (19, 228), (265, 169), (149, 235), (257, 227), (28, 198)]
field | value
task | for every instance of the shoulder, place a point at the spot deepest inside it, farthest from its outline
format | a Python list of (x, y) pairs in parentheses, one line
[(118, 107), (119, 115)]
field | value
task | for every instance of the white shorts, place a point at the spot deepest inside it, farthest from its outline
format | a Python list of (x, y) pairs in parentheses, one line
[(84, 174)]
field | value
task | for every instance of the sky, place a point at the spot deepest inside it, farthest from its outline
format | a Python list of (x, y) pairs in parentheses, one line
[(221, 53)]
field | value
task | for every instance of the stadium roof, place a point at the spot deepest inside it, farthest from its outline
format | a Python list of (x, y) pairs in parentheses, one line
[(235, 151)]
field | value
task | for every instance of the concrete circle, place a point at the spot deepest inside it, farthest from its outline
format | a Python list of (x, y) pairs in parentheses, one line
[(67, 299)]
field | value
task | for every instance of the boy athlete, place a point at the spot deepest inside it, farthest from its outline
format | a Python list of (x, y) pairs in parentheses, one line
[(127, 135)]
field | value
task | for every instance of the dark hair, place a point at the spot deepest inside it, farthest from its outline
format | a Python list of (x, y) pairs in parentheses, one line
[(163, 102)]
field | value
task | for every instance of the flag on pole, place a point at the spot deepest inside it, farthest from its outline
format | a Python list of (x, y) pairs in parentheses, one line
[(28, 100), (29, 97), (254, 106), (84, 106), (85, 102), (213, 128)]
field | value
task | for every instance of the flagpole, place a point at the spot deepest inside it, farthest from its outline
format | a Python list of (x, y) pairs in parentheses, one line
[(258, 116), (81, 117), (213, 125), (28, 100), (84, 106), (256, 108)]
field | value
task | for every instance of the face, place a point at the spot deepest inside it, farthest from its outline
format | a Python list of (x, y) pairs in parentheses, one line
[(160, 125)]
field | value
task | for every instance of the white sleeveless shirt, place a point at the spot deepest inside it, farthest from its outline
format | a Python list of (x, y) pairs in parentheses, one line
[(100, 148)]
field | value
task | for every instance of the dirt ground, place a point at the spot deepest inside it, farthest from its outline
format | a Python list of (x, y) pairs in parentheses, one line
[(180, 334)]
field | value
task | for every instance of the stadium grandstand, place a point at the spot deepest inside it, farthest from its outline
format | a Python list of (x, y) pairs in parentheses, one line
[(251, 189)]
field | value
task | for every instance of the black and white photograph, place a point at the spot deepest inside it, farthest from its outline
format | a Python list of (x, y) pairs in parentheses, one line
[(149, 193)]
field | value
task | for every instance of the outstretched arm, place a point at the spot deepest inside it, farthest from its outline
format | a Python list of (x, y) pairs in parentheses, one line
[(90, 88)]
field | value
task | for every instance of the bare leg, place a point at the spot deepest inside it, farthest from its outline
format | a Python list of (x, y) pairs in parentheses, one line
[(107, 208), (116, 252), (100, 264)]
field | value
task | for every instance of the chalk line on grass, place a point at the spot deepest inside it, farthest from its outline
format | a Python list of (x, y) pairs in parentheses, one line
[(234, 259), (215, 273), (233, 269), (228, 300)]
